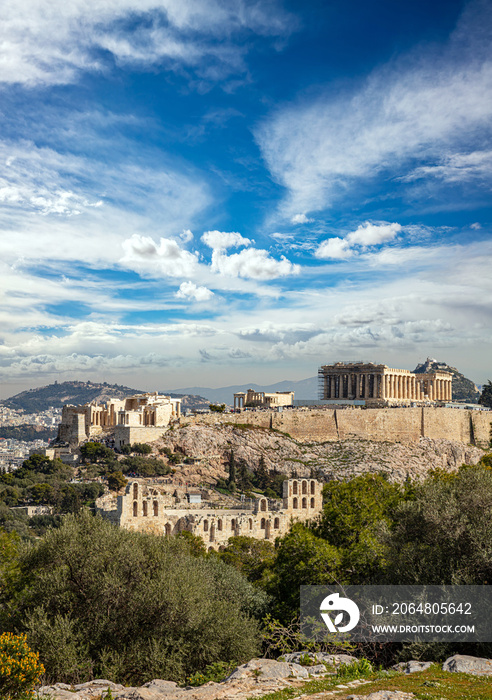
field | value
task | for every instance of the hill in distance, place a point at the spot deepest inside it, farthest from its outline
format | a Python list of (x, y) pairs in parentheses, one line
[(304, 389), (463, 389), (61, 393)]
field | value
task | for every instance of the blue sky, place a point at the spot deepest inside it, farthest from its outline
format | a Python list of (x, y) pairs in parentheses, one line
[(209, 192)]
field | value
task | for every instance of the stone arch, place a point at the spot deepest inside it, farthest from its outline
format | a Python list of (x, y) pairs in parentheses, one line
[(250, 522), (156, 508), (212, 533), (304, 502), (233, 524), (294, 503), (312, 503), (304, 487), (219, 524), (167, 529), (263, 504), (268, 526), (262, 524), (135, 509), (294, 487), (313, 487), (145, 508), (135, 491), (205, 526), (276, 524), (210, 549)]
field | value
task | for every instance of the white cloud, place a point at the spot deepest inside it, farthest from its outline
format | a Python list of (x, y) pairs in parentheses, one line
[(144, 255), (60, 206), (367, 234), (51, 41), (476, 226), (415, 108), (186, 236), (221, 240), (373, 234), (253, 264), (457, 167), (301, 219), (189, 290), (335, 249)]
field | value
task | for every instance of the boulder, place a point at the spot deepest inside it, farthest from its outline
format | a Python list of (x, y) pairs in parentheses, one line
[(319, 657), (267, 670), (384, 695), (412, 666), (460, 663)]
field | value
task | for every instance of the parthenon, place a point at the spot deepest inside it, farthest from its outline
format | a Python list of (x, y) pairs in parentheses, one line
[(380, 385)]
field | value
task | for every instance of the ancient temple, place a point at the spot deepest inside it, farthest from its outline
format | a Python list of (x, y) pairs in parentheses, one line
[(380, 385)]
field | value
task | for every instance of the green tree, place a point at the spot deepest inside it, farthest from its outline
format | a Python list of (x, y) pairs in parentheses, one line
[(302, 559), (232, 469), (262, 477), (250, 556), (95, 451), (141, 448), (444, 536), (216, 408), (486, 395), (130, 606), (354, 513), (116, 481)]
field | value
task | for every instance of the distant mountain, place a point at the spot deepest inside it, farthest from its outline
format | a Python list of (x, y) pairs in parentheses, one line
[(304, 389), (463, 389), (59, 394)]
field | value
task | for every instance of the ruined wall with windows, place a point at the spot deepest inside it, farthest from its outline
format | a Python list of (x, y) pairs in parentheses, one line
[(144, 508)]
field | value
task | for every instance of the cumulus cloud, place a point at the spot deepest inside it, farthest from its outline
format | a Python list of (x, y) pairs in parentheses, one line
[(143, 254), (366, 235), (301, 219), (189, 290), (186, 236), (252, 263), (373, 234), (221, 240), (415, 108), (51, 41), (334, 249)]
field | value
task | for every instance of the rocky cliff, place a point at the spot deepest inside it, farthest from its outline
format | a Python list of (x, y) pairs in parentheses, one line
[(210, 447)]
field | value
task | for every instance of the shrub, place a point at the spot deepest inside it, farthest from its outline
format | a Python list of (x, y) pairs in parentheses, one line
[(20, 669), (131, 604)]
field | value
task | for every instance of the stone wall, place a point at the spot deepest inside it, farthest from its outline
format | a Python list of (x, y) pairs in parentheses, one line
[(376, 424), (128, 435), (145, 508)]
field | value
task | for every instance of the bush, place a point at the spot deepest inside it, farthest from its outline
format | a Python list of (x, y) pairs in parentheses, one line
[(141, 448), (20, 669), (131, 606)]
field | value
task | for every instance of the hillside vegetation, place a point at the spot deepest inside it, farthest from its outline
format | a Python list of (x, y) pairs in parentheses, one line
[(61, 393)]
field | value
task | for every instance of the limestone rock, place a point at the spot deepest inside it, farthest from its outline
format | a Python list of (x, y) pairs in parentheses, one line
[(320, 656), (210, 447), (267, 669), (461, 663), (384, 695), (412, 666)]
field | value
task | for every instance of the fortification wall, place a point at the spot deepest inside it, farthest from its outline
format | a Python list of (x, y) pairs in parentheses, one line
[(376, 424), (128, 435)]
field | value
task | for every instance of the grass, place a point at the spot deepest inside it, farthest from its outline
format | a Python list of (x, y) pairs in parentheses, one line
[(433, 684)]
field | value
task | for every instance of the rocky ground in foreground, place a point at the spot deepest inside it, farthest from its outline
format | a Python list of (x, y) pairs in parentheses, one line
[(259, 677), (211, 447)]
